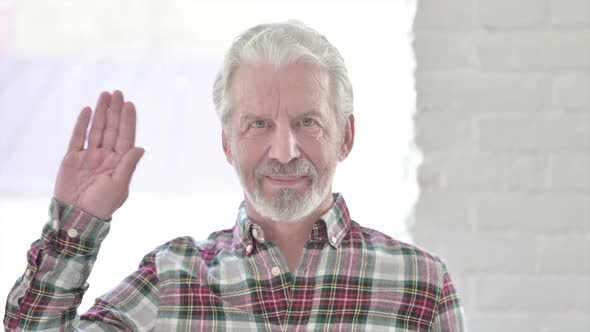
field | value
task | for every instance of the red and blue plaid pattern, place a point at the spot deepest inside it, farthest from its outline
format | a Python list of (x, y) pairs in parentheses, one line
[(350, 278)]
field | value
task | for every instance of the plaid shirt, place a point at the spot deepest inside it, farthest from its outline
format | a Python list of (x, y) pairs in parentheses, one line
[(349, 278)]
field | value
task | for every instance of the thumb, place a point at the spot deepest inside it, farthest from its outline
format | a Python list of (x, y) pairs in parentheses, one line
[(127, 166)]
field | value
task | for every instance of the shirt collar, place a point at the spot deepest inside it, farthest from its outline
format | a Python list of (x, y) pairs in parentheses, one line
[(332, 226)]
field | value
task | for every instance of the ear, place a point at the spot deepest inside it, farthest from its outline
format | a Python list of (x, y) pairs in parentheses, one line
[(348, 139), (226, 148)]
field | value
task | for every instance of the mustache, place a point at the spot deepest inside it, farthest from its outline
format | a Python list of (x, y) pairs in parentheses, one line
[(297, 167)]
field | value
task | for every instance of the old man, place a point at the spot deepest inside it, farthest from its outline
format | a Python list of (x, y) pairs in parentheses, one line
[(293, 261)]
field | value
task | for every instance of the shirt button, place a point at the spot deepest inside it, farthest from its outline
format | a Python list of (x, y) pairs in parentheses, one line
[(333, 239), (248, 248), (257, 235), (275, 271), (72, 232)]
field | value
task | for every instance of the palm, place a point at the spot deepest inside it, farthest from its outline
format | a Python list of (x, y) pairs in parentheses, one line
[(96, 178)]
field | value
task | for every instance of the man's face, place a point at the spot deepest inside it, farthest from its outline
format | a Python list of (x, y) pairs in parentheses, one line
[(285, 139)]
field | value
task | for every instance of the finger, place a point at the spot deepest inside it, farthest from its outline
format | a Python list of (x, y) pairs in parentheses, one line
[(126, 136), (127, 166), (79, 135), (112, 129), (98, 123)]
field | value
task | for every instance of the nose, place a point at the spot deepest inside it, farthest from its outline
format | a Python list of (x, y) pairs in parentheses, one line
[(284, 146)]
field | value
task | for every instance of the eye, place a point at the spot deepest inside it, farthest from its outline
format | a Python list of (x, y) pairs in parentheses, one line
[(307, 122), (258, 124)]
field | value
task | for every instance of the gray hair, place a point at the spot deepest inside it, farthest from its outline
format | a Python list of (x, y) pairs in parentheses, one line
[(282, 44)]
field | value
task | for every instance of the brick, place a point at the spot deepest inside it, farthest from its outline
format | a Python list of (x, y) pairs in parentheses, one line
[(572, 90), (570, 13), (485, 172), (435, 90), (479, 92), (445, 210), (571, 322), (447, 14), (443, 50), (504, 322), (570, 171), (469, 253), (564, 212), (555, 132), (526, 172), (474, 172), (534, 51), (509, 13), (564, 253), (534, 293), (444, 131)]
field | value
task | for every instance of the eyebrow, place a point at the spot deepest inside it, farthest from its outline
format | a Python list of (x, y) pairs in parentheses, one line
[(312, 113), (251, 116)]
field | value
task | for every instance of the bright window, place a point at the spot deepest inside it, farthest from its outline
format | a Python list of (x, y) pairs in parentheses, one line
[(56, 57)]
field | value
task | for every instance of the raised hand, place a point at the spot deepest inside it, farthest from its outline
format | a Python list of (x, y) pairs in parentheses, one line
[(96, 178)]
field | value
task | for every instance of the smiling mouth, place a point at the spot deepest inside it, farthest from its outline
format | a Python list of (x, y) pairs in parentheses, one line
[(285, 180)]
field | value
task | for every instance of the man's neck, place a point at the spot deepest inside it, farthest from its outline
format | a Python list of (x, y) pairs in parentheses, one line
[(290, 237)]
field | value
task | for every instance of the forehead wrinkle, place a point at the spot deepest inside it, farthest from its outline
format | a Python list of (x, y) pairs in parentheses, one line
[(309, 95), (278, 88), (255, 95), (263, 94)]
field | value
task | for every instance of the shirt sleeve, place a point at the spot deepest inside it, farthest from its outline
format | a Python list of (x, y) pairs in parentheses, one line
[(47, 295), (449, 314), (131, 306)]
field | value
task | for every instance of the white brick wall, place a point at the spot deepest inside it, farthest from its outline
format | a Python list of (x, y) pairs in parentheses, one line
[(503, 95), (570, 12), (510, 13)]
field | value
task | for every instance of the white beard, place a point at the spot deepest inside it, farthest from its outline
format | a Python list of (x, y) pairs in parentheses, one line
[(286, 205)]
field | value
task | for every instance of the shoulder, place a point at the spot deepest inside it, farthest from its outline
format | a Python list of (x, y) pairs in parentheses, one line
[(186, 249), (380, 241), (394, 255)]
